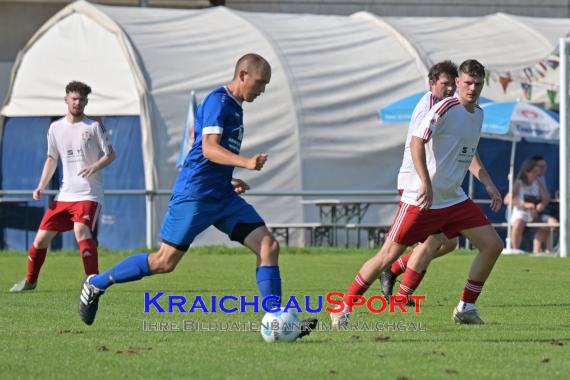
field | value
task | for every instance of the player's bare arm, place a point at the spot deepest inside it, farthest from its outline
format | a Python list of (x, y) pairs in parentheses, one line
[(100, 164), (216, 153), (418, 151), (49, 168), (478, 170)]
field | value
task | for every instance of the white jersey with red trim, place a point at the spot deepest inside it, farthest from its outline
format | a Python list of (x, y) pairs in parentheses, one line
[(420, 111), (78, 145), (452, 134)]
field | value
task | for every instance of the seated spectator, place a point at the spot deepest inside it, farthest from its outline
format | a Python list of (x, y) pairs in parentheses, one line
[(529, 201), (550, 213)]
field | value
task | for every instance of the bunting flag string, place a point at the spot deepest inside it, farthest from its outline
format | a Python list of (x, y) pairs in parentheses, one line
[(529, 77)]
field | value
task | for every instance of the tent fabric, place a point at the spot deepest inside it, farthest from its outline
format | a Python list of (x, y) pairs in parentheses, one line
[(25, 135), (318, 118), (121, 224), (122, 219)]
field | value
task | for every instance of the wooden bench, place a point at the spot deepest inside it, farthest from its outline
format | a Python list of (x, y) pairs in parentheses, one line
[(319, 233), (376, 233)]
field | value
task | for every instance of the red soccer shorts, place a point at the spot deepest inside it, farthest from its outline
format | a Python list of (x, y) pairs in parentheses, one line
[(61, 215), (413, 225)]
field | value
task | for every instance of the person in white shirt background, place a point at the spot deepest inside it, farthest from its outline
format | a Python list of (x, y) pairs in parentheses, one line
[(83, 146)]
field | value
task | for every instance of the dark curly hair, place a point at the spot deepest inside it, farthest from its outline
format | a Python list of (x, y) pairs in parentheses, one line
[(444, 67), (79, 87)]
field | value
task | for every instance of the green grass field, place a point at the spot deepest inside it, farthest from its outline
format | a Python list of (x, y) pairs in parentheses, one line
[(525, 303)]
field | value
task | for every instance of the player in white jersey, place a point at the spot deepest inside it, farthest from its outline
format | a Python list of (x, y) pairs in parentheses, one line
[(84, 149), (441, 78), (443, 148)]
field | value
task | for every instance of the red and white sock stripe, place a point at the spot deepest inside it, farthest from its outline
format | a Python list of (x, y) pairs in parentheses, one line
[(473, 288), (402, 265), (471, 291), (361, 281), (405, 290)]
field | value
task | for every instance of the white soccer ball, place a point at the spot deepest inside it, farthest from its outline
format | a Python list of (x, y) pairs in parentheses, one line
[(280, 326)]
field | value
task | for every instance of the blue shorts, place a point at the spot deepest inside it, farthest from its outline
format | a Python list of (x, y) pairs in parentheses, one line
[(186, 218)]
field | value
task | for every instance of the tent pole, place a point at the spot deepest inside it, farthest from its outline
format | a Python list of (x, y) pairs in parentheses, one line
[(149, 218), (508, 247), (564, 144)]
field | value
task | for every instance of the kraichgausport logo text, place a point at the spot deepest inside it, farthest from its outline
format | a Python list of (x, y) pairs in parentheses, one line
[(243, 304)]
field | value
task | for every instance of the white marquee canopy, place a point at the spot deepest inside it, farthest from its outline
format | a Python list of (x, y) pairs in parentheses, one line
[(318, 118)]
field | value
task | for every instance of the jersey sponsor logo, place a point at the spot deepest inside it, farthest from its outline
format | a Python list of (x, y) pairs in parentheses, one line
[(240, 132), (74, 155), (466, 155), (86, 135)]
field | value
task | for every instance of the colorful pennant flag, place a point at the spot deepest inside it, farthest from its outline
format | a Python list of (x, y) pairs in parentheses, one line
[(552, 96), (527, 90), (505, 80)]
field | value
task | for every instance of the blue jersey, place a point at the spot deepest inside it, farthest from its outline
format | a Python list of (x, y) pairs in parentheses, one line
[(219, 113)]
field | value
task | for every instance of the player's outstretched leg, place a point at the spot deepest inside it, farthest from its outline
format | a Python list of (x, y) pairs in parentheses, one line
[(132, 268), (369, 272), (490, 247), (268, 277)]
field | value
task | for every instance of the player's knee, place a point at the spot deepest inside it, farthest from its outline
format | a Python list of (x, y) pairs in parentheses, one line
[(273, 247), (449, 245), (495, 246), (391, 254), (41, 242), (81, 231), (384, 258), (163, 267), (161, 263)]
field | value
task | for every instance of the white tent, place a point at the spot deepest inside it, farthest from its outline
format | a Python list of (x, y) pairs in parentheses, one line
[(318, 117)]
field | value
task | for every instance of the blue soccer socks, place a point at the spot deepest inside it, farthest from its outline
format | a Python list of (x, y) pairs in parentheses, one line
[(130, 269), (269, 283)]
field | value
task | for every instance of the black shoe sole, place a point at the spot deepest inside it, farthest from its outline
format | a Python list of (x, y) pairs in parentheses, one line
[(308, 325)]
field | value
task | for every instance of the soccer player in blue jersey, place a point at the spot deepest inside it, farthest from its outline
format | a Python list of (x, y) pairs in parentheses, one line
[(205, 194)]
